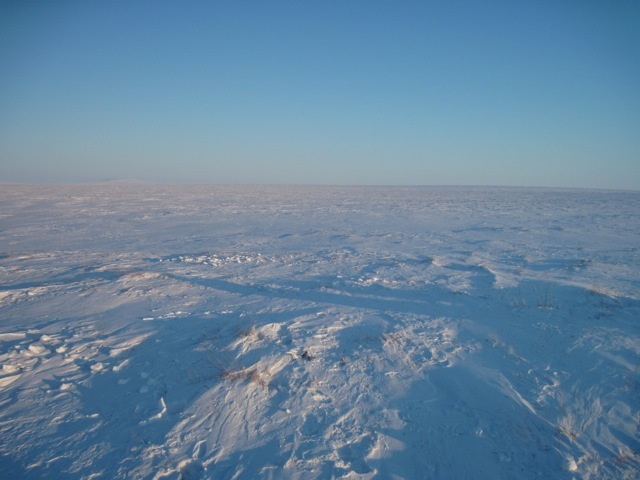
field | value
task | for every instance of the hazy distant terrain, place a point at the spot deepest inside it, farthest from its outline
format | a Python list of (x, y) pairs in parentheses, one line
[(319, 332)]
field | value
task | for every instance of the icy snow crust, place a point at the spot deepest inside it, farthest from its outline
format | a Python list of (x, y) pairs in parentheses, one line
[(231, 332)]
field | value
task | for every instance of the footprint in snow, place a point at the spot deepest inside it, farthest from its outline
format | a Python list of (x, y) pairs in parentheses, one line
[(353, 455)]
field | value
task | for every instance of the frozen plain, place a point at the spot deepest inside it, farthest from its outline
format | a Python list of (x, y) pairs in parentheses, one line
[(240, 332)]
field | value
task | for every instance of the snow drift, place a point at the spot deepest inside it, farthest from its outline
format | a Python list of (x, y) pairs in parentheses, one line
[(318, 332)]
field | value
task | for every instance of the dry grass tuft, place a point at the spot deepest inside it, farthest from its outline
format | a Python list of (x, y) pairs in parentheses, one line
[(248, 332)]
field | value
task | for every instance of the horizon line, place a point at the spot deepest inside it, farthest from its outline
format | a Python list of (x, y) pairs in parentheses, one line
[(149, 183)]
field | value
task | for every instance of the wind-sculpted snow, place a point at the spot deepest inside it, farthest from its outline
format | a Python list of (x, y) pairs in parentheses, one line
[(319, 332)]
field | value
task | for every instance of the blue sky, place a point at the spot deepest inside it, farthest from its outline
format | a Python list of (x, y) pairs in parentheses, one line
[(541, 93)]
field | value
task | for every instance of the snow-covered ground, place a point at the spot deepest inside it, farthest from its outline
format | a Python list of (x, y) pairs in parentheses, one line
[(319, 332)]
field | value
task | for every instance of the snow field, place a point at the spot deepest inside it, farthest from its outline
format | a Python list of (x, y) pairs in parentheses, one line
[(320, 332)]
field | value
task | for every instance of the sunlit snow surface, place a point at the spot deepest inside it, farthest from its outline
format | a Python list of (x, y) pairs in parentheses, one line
[(319, 332)]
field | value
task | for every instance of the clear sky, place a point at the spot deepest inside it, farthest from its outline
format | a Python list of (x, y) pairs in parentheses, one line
[(540, 92)]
